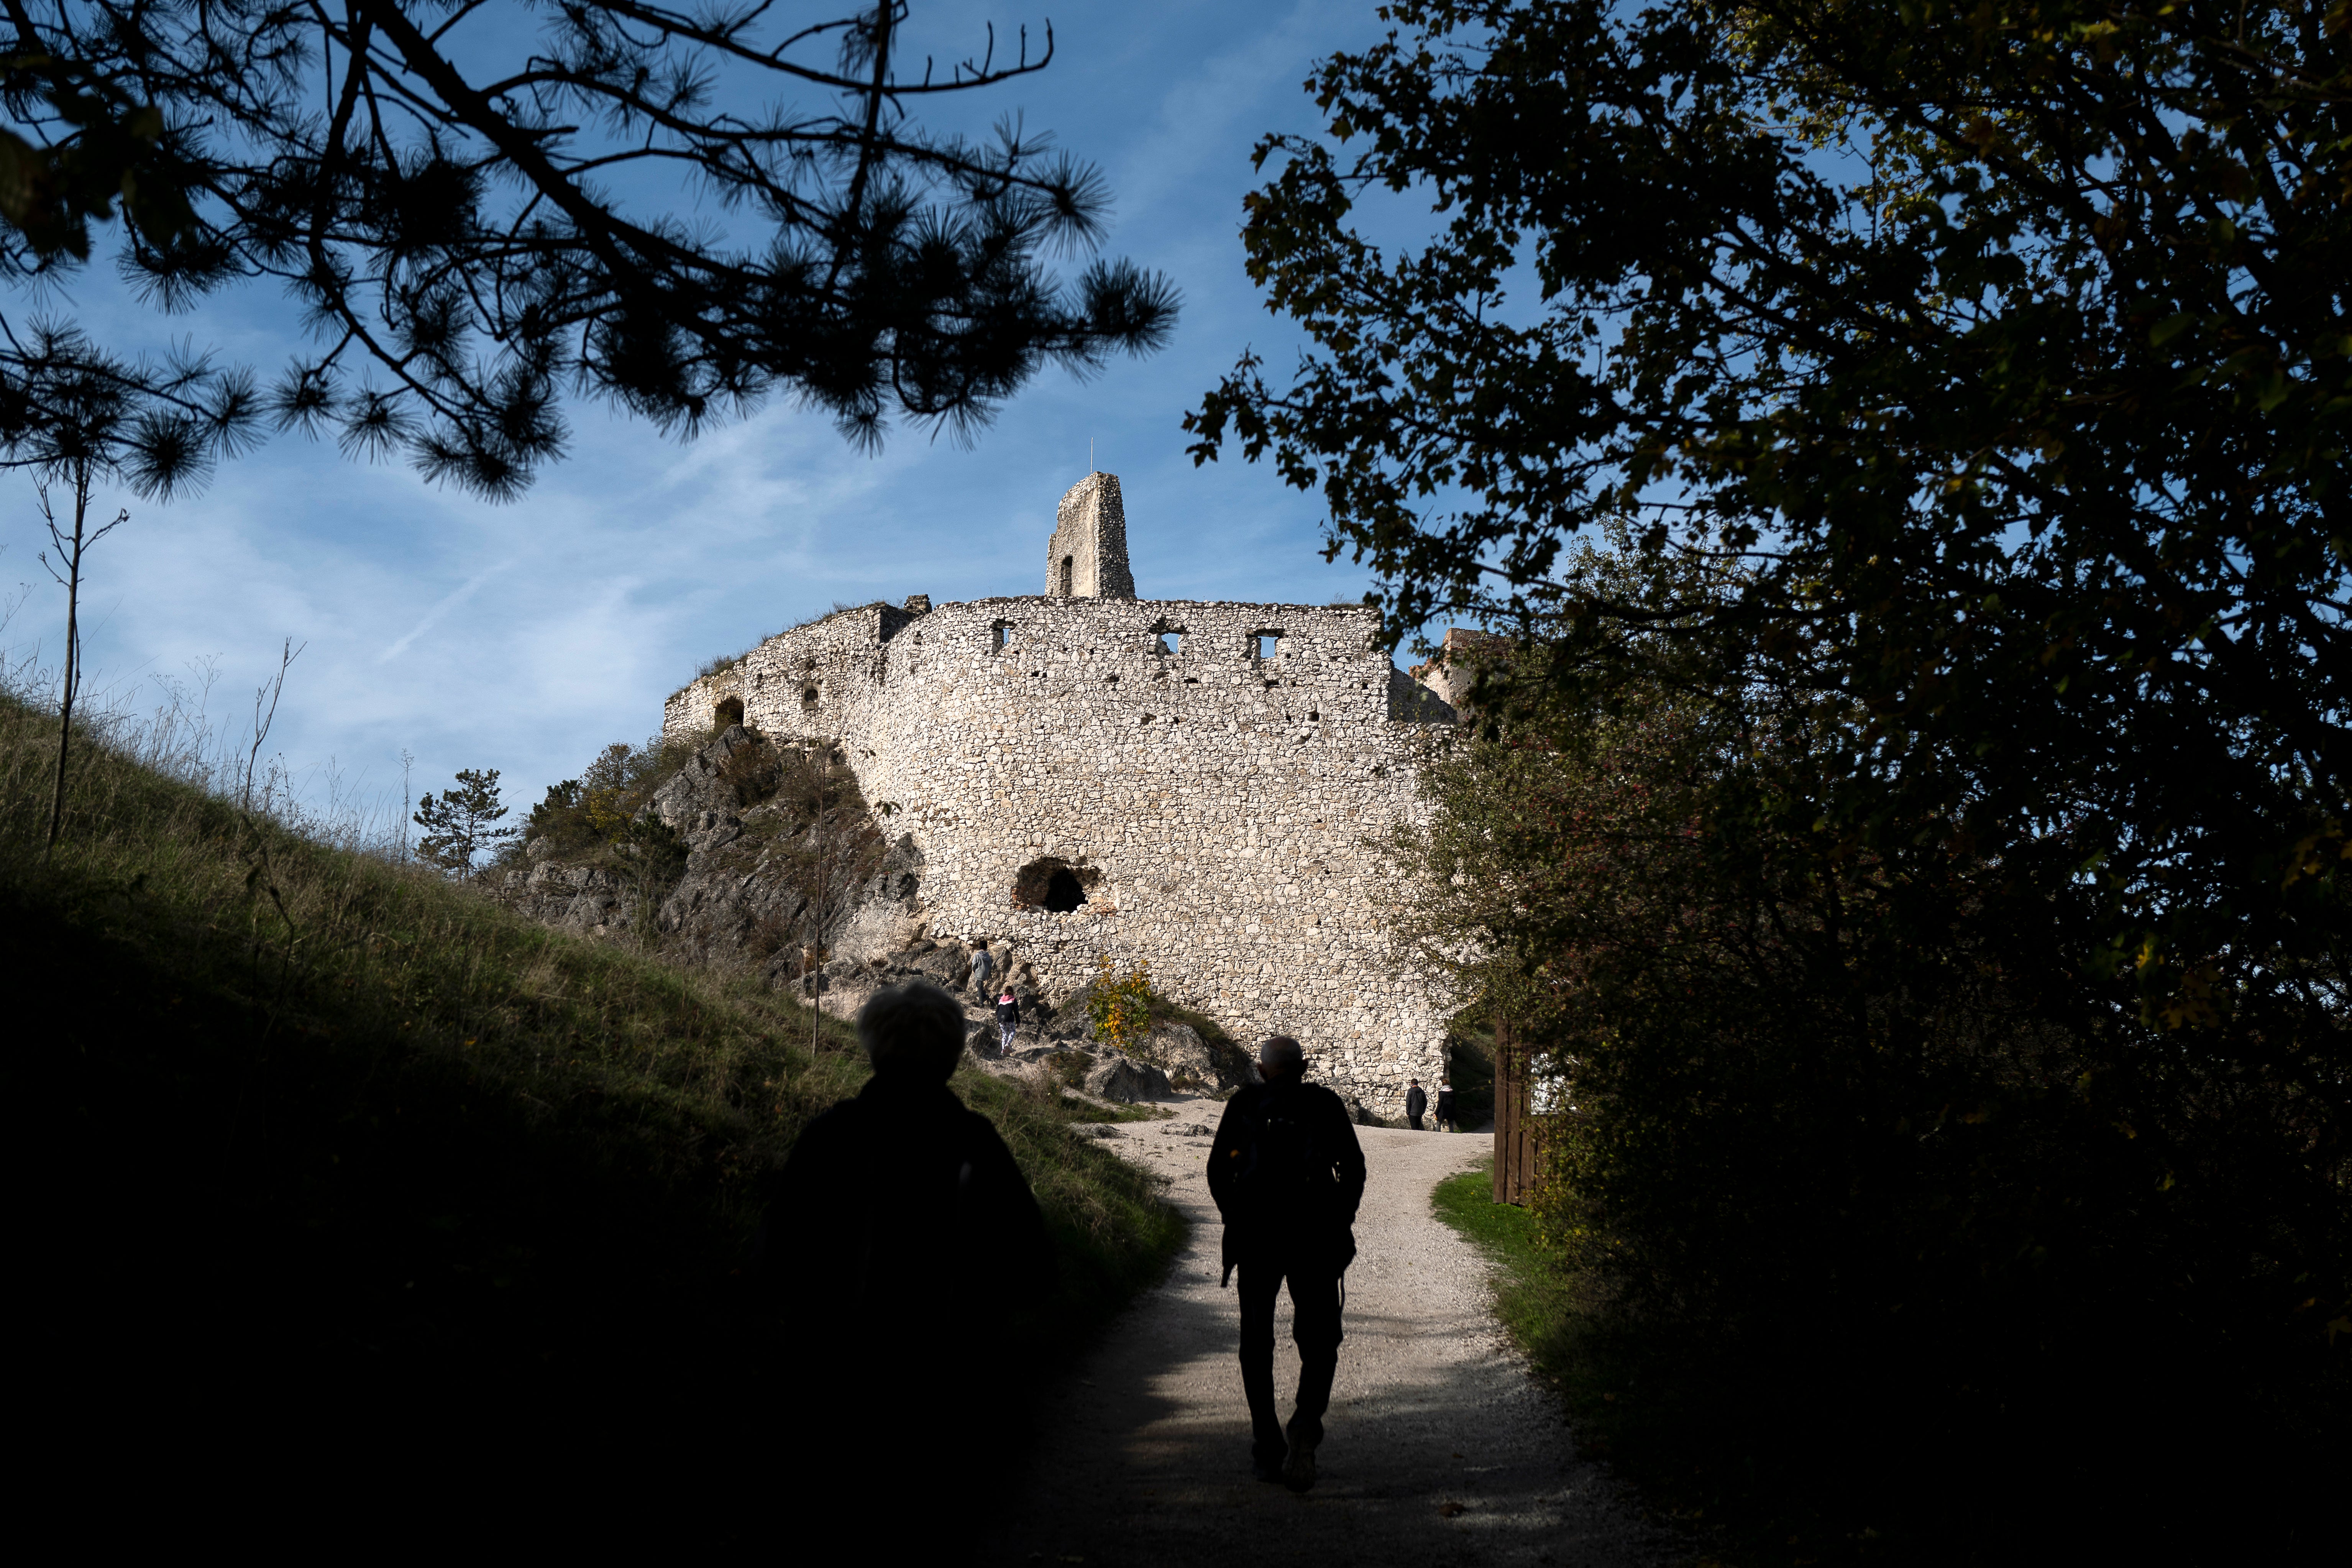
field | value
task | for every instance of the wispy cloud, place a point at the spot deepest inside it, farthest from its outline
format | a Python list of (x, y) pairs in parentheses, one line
[(433, 616)]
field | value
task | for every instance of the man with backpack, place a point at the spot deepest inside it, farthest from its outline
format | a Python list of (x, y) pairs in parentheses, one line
[(1287, 1175)]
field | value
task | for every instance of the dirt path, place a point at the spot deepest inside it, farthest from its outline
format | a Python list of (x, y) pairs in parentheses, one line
[(1144, 1457)]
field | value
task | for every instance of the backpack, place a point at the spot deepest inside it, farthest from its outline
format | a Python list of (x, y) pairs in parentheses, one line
[(1281, 1173)]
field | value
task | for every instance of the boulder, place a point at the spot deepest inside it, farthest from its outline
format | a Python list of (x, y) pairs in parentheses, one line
[(1120, 1079), (944, 964)]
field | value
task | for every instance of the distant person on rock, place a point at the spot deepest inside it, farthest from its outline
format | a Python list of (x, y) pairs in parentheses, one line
[(1415, 1102), (1008, 1020), (899, 1220), (1288, 1174), (984, 968), (1445, 1106)]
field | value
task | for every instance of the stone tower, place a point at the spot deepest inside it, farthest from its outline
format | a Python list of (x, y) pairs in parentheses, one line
[(1087, 556)]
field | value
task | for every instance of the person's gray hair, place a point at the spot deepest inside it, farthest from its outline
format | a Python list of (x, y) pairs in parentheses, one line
[(912, 1030), (1279, 1051)]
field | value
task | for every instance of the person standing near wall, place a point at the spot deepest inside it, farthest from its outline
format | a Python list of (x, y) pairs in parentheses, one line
[(1008, 1020), (1415, 1102), (983, 966), (1287, 1175), (1445, 1106)]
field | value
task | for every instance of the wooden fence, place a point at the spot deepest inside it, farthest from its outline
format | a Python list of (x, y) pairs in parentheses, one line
[(1515, 1126)]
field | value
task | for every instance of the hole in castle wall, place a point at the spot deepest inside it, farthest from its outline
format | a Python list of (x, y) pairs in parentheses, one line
[(1069, 573), (808, 698), (1269, 643), (1052, 884), (998, 634), (729, 712)]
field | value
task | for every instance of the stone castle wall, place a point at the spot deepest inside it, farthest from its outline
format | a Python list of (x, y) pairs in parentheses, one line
[(1228, 806)]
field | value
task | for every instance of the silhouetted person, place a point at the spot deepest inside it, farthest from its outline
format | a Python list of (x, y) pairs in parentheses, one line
[(1287, 1175), (1445, 1106), (1008, 1022), (1415, 1102), (900, 1221)]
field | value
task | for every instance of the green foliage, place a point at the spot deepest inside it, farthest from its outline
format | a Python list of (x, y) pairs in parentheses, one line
[(460, 825), (1797, 1130), (1917, 844), (2031, 515), (599, 808)]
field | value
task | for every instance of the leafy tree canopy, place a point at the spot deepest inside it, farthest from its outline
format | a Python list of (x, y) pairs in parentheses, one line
[(2007, 351), (475, 219)]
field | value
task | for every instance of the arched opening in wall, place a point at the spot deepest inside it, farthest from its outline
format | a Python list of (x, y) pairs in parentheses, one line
[(1069, 575), (808, 698), (729, 712), (1052, 884)]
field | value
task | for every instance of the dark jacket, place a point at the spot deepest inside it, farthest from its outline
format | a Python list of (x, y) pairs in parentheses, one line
[(1445, 1105), (1307, 1217), (899, 1210), (1008, 1014), (1415, 1102)]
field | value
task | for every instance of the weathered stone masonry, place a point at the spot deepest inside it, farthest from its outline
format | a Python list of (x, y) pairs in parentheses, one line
[(1221, 775)]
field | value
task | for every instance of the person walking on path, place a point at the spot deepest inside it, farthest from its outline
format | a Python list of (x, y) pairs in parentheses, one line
[(1008, 1020), (1415, 1102), (1287, 1175), (899, 1216), (1445, 1106), (984, 967)]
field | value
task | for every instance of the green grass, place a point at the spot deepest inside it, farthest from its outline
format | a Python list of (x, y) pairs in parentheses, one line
[(297, 1119), (1531, 1297)]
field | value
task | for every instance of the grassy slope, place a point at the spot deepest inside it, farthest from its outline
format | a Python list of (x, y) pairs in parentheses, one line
[(303, 1128)]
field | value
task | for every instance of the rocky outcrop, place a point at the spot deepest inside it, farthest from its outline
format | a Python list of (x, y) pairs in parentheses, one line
[(1126, 1081), (765, 857)]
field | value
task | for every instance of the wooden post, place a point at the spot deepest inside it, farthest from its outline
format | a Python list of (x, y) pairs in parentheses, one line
[(1514, 1147)]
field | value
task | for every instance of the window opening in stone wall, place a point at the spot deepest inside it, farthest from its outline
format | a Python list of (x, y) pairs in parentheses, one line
[(1069, 573), (1268, 643), (998, 634), (808, 698), (729, 712), (1172, 642)]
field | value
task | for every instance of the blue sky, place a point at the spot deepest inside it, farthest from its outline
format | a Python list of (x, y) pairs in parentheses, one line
[(524, 636)]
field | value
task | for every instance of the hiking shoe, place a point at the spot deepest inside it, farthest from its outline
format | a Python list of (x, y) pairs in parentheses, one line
[(1298, 1464)]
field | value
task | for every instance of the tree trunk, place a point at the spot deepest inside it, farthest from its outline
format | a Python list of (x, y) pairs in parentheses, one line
[(73, 653)]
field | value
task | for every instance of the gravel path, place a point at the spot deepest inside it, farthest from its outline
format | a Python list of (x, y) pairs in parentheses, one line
[(1439, 1447)]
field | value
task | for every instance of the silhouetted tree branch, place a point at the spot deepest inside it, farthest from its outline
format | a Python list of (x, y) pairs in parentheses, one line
[(461, 224)]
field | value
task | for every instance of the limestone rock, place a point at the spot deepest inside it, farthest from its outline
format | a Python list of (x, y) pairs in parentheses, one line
[(1125, 1081)]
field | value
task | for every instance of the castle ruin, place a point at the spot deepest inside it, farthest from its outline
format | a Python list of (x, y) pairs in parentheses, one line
[(1203, 785)]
